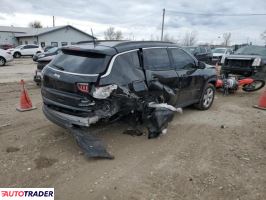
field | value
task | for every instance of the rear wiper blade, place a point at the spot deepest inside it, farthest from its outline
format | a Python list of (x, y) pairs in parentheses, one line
[(58, 67)]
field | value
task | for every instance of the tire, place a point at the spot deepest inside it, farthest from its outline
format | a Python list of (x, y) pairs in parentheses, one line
[(2, 61), (252, 87), (207, 97), (17, 55)]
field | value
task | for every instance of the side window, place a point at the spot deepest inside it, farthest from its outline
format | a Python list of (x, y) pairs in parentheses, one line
[(54, 44), (32, 47), (202, 50), (156, 59), (182, 60), (63, 44), (126, 67)]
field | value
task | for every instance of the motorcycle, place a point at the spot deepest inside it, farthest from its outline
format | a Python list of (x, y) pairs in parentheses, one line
[(231, 83)]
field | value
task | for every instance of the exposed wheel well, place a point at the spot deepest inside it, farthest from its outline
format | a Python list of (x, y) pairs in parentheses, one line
[(213, 82)]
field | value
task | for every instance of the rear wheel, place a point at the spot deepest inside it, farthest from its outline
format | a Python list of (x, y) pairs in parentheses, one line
[(2, 61), (17, 55), (207, 97), (254, 86)]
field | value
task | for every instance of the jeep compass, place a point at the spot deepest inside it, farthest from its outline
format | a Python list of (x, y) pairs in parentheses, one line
[(105, 80)]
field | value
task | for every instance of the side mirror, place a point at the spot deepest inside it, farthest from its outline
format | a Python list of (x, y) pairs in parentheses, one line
[(201, 65)]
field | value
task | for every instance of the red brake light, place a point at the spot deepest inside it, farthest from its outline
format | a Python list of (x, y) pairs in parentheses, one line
[(83, 87)]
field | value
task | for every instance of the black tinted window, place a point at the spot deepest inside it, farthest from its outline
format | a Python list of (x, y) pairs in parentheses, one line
[(126, 67), (202, 50), (83, 64), (182, 60), (156, 59)]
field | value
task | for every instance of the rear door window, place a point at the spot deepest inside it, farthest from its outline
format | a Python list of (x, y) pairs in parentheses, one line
[(181, 59), (156, 59), (126, 68), (88, 63)]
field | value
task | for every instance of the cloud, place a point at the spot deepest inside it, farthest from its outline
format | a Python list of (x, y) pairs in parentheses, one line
[(142, 18)]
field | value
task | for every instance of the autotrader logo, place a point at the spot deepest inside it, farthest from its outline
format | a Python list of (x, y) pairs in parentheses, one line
[(26, 193)]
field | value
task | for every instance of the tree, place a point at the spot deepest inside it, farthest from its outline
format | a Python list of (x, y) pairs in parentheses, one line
[(35, 24), (227, 38), (168, 38), (111, 34), (189, 39), (263, 36)]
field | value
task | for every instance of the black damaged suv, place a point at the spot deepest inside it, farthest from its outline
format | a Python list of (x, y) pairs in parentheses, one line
[(104, 80)]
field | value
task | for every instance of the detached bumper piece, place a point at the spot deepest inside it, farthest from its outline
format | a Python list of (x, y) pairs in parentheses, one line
[(92, 146)]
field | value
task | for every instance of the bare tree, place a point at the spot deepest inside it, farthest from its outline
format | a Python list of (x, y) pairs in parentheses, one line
[(263, 36), (168, 38), (35, 24), (189, 39), (111, 34), (227, 38)]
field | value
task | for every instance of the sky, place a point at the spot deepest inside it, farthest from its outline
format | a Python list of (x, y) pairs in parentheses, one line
[(142, 19)]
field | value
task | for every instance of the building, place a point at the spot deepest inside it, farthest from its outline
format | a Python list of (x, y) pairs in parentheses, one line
[(51, 36)]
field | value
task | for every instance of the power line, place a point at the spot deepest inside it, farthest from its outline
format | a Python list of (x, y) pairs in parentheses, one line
[(216, 14)]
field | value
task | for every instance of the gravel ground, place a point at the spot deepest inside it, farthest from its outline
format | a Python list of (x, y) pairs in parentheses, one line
[(214, 154), (20, 68)]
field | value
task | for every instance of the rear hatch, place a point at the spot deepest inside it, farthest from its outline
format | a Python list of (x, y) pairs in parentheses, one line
[(240, 64), (69, 77)]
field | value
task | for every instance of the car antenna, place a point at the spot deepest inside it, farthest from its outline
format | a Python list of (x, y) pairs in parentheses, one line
[(93, 38)]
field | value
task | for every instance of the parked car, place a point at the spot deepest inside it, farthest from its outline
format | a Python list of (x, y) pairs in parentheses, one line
[(25, 50), (246, 61), (218, 53), (5, 57), (42, 60), (106, 80), (203, 54), (45, 49)]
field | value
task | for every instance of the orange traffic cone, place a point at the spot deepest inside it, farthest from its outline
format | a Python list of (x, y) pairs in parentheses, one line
[(25, 102), (262, 101)]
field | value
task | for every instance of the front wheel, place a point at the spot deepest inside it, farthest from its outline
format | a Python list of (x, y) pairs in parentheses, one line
[(17, 55), (206, 98), (254, 86), (2, 61)]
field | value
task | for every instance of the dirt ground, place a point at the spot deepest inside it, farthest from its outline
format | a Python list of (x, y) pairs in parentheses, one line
[(22, 68), (214, 154)]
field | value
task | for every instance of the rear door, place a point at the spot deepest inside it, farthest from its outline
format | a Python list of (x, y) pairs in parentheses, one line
[(160, 74), (190, 80)]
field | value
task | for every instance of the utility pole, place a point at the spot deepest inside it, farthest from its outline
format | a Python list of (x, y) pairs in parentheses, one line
[(162, 25), (53, 22)]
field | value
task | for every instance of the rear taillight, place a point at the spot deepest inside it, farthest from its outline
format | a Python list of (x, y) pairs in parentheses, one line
[(83, 87)]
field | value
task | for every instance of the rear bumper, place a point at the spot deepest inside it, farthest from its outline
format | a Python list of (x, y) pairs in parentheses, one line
[(66, 120)]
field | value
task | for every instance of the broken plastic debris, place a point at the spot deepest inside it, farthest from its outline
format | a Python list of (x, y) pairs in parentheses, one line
[(92, 146), (103, 92), (165, 105)]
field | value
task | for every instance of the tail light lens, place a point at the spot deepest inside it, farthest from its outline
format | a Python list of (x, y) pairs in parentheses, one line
[(83, 87)]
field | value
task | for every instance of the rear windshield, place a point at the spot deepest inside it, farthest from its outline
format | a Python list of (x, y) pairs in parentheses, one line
[(252, 50), (82, 63)]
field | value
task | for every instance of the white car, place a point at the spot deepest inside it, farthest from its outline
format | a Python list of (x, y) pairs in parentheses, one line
[(5, 57), (218, 53), (25, 50)]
